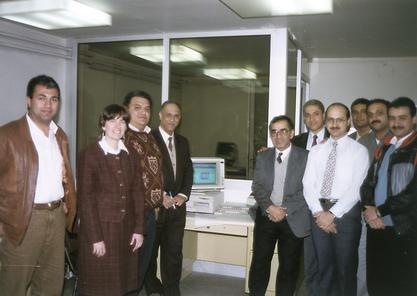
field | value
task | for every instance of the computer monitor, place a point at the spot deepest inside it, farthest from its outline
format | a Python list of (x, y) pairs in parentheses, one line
[(208, 173)]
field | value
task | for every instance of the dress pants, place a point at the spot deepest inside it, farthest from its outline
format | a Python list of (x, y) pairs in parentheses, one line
[(266, 235), (337, 254), (311, 268), (362, 289), (145, 252), (391, 263), (38, 261), (169, 237)]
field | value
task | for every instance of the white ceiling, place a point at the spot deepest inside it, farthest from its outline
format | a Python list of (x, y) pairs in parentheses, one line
[(357, 28)]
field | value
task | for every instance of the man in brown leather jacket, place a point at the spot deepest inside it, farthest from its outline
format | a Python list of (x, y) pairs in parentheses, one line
[(37, 196)]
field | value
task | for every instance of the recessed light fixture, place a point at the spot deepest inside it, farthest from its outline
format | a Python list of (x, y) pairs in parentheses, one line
[(268, 8), (54, 14), (178, 54), (229, 74)]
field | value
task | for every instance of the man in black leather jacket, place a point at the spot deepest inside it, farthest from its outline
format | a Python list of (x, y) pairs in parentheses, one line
[(389, 196)]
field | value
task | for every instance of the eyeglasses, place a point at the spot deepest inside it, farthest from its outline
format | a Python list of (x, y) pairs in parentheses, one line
[(281, 132), (335, 120)]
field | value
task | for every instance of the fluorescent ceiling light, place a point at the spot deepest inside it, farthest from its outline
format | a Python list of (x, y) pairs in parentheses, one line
[(178, 54), (53, 14), (229, 74), (268, 8)]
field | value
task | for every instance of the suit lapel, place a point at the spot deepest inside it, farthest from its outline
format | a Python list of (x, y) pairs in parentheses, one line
[(270, 167), (291, 167)]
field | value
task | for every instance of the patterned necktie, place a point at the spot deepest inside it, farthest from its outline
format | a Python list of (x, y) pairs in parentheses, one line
[(170, 144), (314, 141), (279, 159), (326, 187)]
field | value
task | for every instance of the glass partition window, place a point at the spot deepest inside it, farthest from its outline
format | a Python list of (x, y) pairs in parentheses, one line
[(222, 85), (107, 72)]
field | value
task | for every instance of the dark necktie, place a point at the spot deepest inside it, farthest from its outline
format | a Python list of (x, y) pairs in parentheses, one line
[(279, 159), (170, 144), (314, 140)]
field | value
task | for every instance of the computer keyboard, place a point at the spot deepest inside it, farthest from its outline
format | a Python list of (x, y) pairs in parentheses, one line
[(232, 209)]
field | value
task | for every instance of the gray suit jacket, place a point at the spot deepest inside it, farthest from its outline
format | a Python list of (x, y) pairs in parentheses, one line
[(298, 215), (369, 141)]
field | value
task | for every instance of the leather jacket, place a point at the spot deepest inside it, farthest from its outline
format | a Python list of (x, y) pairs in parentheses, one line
[(18, 175), (401, 202)]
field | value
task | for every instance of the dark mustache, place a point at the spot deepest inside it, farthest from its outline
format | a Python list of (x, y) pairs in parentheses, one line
[(375, 121)]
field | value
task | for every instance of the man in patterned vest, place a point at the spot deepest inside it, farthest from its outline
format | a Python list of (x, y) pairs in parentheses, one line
[(137, 138)]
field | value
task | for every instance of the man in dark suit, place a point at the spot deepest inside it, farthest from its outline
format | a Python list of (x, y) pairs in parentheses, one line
[(313, 114), (177, 173), (282, 214)]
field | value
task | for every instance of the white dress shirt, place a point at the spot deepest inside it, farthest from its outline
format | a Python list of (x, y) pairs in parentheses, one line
[(50, 162), (147, 129), (284, 152), (320, 138), (352, 163)]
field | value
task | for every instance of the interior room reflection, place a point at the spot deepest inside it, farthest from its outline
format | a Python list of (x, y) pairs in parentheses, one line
[(224, 113)]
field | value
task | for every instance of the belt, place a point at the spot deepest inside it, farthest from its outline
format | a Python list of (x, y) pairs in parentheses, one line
[(328, 201), (48, 206)]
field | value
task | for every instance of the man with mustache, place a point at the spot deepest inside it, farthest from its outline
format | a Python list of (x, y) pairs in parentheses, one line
[(334, 172), (389, 195), (377, 113)]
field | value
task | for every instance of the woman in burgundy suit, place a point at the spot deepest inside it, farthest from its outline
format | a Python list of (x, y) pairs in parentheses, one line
[(111, 211)]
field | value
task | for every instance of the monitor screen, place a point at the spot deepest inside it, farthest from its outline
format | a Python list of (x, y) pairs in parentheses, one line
[(208, 173), (204, 174)]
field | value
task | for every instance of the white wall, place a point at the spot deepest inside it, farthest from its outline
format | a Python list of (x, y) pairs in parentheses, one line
[(25, 53), (344, 80)]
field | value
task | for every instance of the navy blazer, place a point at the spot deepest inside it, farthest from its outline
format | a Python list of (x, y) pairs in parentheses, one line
[(184, 174), (301, 139)]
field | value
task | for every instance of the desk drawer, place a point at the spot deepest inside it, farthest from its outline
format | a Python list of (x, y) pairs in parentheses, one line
[(238, 230)]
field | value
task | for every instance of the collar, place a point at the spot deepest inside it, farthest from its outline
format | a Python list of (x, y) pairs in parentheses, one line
[(165, 135), (320, 134), (147, 129), (108, 149), (340, 141), (398, 143), (284, 152), (32, 125)]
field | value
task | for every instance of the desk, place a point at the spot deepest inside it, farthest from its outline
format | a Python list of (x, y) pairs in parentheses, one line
[(225, 238)]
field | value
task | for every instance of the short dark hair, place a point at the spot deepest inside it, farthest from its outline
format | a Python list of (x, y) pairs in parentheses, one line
[(404, 102), (316, 103), (379, 101), (279, 118), (44, 80), (169, 102), (111, 112), (136, 93), (339, 105), (359, 101)]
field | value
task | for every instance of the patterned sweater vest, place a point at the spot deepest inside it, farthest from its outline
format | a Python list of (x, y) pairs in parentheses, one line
[(150, 158)]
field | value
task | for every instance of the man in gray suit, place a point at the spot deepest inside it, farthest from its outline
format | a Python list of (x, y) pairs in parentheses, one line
[(282, 214)]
